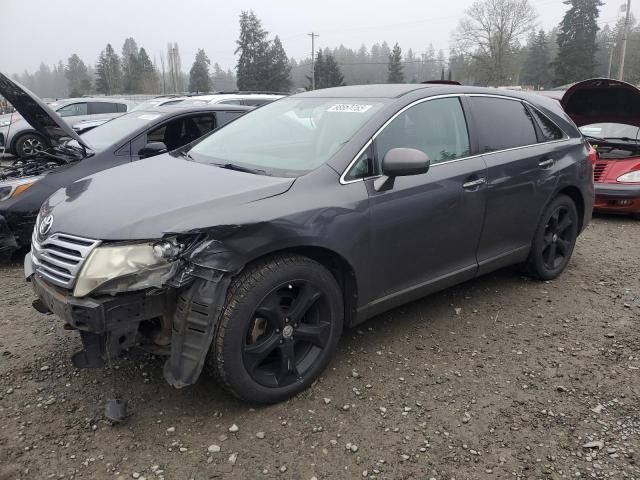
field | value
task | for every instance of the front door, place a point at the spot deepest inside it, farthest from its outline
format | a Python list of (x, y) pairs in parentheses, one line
[(425, 230)]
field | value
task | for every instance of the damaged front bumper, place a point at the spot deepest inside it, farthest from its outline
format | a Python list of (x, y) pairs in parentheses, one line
[(187, 310), (107, 325)]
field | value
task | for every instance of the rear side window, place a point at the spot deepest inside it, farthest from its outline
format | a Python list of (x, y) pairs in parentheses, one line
[(73, 110), (549, 131), (502, 124), (102, 107), (121, 107)]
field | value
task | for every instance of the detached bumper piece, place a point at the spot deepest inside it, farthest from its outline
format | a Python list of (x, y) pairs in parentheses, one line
[(107, 325), (8, 242)]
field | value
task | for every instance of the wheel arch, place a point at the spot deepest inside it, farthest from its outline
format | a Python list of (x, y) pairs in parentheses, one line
[(338, 265), (575, 194)]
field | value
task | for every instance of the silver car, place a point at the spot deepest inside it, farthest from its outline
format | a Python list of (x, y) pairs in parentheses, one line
[(21, 139)]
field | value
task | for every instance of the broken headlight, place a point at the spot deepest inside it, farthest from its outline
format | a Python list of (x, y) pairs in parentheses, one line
[(114, 269), (13, 188)]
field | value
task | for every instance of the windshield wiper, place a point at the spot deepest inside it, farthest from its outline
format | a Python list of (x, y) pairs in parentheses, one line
[(624, 139), (238, 168)]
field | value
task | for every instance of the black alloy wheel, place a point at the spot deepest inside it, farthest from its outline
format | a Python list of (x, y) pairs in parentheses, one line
[(554, 240), (281, 324), (287, 334)]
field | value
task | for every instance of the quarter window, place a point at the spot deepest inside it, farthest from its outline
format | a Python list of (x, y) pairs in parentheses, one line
[(502, 124), (436, 127), (549, 131), (96, 108)]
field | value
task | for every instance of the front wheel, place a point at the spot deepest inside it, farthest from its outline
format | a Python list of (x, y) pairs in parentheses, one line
[(279, 329), (554, 240), (30, 144)]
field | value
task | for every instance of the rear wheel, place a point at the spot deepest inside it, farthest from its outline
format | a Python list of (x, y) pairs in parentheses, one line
[(30, 144), (280, 327), (554, 240)]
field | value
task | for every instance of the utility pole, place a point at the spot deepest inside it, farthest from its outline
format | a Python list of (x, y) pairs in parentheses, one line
[(313, 36), (624, 41)]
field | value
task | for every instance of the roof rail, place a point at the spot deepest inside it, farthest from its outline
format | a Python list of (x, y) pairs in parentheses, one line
[(247, 92)]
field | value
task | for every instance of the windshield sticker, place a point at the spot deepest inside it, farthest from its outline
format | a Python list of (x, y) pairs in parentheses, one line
[(148, 117), (349, 108)]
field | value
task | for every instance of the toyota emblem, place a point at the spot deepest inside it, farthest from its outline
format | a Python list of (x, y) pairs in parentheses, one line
[(45, 225)]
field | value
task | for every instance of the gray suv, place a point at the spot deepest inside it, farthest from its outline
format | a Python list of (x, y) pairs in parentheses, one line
[(249, 251), (21, 139)]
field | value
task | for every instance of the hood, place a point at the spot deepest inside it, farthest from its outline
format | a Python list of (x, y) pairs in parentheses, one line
[(42, 118), (145, 199), (602, 100)]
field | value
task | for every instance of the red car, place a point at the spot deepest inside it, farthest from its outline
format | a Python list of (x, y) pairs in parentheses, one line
[(608, 114)]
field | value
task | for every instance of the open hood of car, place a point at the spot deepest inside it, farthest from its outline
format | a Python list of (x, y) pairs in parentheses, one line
[(42, 118), (602, 100)]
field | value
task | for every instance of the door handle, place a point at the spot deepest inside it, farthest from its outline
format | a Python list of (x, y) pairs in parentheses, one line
[(474, 183), (546, 162)]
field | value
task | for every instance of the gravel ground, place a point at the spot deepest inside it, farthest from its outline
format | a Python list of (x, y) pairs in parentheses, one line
[(501, 377)]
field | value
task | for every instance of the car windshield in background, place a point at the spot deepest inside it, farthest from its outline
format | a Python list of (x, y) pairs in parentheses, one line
[(289, 137), (611, 130), (114, 130)]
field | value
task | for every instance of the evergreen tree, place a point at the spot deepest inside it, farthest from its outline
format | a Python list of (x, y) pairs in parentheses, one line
[(78, 79), (108, 72), (535, 70), (333, 74), (577, 41), (199, 80), (279, 69), (149, 80), (131, 75), (395, 69), (253, 64)]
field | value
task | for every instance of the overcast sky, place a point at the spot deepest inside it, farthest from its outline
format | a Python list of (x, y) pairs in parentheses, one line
[(50, 30)]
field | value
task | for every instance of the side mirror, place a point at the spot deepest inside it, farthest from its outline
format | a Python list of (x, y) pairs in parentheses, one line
[(401, 162), (151, 149)]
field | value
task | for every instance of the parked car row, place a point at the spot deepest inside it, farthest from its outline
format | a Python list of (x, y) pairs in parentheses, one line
[(249, 249)]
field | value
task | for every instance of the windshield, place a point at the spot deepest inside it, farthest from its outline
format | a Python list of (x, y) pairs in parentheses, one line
[(117, 130), (289, 137), (610, 130)]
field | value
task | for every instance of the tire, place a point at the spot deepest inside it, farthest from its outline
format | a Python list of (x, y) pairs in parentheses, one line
[(281, 324), (29, 144), (554, 240)]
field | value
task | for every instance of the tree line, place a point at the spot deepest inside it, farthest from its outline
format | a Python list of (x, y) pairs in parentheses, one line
[(495, 44)]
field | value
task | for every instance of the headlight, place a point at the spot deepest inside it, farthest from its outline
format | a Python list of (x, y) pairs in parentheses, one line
[(123, 268), (13, 188), (631, 177)]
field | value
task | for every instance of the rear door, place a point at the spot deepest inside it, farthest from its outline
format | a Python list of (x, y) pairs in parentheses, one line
[(520, 176), (425, 230)]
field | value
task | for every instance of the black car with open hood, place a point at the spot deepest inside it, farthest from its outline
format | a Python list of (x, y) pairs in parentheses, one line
[(27, 182)]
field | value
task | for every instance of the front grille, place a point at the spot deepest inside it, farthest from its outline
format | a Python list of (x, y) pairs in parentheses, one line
[(60, 257), (599, 170)]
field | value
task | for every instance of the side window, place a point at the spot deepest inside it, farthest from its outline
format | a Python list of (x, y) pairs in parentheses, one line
[(205, 124), (502, 124), (231, 102), (122, 107), (255, 102), (157, 134), (102, 107), (72, 110), (437, 127), (226, 117), (549, 131)]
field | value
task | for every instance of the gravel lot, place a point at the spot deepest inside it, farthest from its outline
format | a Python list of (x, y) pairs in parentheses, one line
[(501, 377)]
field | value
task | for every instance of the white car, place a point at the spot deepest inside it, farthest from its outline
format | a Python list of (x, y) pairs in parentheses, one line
[(240, 98)]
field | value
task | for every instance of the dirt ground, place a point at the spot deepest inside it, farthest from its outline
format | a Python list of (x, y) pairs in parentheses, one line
[(501, 377)]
